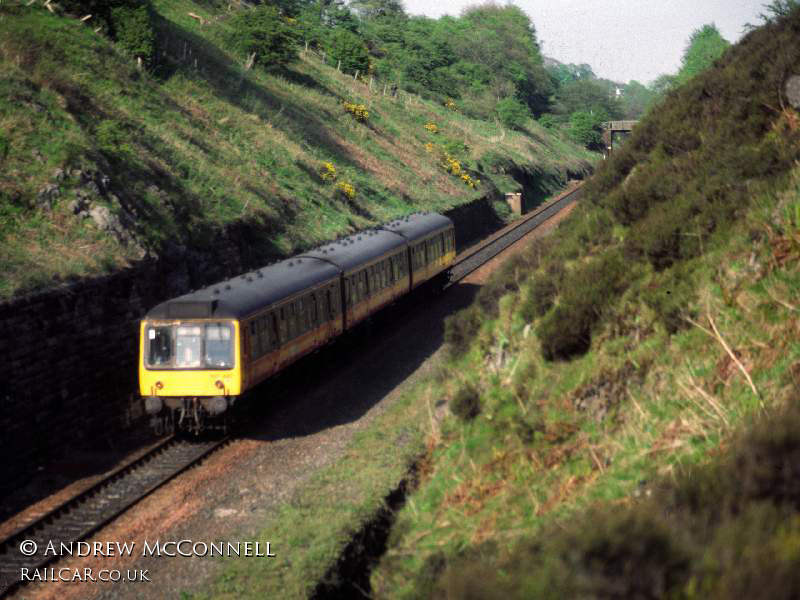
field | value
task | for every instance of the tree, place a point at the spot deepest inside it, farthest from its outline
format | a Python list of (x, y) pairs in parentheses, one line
[(342, 45), (585, 128), (375, 9), (512, 113), (564, 73), (127, 22), (134, 31), (265, 34), (636, 99), (777, 9), (503, 39), (589, 96), (662, 84), (705, 46)]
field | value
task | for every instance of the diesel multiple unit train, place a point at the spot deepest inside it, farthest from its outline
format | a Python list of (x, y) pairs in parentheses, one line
[(201, 351)]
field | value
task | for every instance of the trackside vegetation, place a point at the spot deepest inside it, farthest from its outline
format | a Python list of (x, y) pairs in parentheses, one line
[(624, 394), (172, 129)]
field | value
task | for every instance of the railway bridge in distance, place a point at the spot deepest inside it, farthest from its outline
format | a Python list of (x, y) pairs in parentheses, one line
[(614, 133)]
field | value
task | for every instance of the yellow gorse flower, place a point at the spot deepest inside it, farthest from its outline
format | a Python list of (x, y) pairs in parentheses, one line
[(348, 189), (327, 171), (432, 127), (359, 111)]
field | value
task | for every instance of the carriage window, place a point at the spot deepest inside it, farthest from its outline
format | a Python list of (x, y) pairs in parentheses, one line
[(272, 324), (329, 302), (302, 316), (263, 337), (291, 321), (159, 346), (313, 311), (283, 327), (219, 346), (189, 346)]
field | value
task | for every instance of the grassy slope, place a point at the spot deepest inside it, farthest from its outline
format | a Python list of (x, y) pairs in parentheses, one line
[(542, 494), (192, 149)]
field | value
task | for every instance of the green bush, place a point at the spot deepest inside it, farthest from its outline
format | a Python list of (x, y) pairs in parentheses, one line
[(587, 290), (669, 297), (512, 113), (343, 45), (4, 146), (547, 121), (264, 33), (466, 404), (134, 31), (540, 297), (584, 128), (127, 22), (728, 529), (112, 139), (460, 329)]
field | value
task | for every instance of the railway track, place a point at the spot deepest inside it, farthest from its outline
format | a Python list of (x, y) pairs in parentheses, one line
[(78, 518), (81, 516), (472, 260)]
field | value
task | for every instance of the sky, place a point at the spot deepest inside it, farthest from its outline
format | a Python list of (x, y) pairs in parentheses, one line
[(621, 39)]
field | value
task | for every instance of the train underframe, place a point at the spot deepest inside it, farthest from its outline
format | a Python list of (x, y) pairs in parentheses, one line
[(192, 415)]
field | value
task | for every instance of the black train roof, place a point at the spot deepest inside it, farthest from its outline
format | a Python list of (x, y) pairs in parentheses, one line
[(351, 252), (243, 295), (248, 293), (418, 225)]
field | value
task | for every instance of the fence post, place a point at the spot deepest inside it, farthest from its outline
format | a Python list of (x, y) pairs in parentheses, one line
[(355, 77), (339, 66)]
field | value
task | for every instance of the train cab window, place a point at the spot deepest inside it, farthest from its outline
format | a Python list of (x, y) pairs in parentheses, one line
[(159, 346), (219, 346), (189, 346)]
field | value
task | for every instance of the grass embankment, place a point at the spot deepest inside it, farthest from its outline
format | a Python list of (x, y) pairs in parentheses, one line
[(201, 145), (310, 531), (599, 381)]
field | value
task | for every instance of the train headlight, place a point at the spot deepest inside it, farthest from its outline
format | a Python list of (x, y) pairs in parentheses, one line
[(159, 385), (219, 384)]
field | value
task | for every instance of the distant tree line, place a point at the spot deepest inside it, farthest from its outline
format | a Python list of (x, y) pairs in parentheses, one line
[(487, 62)]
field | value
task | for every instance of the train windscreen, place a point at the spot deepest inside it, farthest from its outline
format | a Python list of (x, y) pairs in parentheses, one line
[(190, 346)]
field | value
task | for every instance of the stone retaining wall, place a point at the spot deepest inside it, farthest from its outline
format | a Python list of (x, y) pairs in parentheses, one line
[(70, 354)]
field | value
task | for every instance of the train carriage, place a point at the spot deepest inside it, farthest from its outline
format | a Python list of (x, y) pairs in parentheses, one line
[(374, 269), (200, 351), (205, 348), (431, 244)]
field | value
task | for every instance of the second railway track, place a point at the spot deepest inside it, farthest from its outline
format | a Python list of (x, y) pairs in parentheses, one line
[(81, 516), (472, 260)]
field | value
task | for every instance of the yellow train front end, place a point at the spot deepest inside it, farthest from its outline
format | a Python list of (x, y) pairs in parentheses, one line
[(190, 372)]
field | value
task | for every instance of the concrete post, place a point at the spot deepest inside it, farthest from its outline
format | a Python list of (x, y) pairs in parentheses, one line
[(514, 200)]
